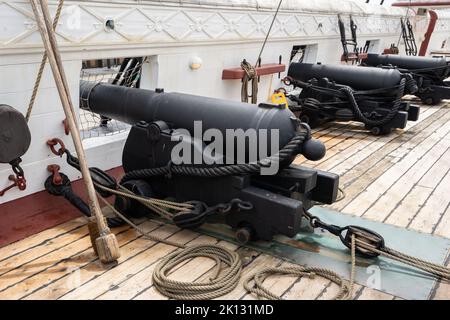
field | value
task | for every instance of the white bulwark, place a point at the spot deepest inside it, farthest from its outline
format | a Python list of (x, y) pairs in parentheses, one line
[(172, 34)]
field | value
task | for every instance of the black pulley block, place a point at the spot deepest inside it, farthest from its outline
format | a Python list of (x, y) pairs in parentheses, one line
[(193, 219), (99, 177), (15, 136), (130, 207)]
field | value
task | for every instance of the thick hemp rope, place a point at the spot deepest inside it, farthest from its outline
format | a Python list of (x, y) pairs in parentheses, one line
[(42, 66), (255, 283), (146, 235), (220, 286), (226, 283), (437, 270), (250, 74), (223, 281)]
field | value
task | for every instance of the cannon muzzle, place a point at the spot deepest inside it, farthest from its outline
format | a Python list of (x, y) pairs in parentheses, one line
[(355, 77), (404, 62)]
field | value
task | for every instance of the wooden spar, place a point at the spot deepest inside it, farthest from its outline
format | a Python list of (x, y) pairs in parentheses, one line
[(106, 244)]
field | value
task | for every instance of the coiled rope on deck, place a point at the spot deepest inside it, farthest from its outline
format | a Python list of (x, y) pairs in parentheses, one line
[(223, 281), (255, 283), (218, 285)]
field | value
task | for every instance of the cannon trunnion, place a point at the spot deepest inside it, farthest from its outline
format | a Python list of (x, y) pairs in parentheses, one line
[(349, 93), (256, 205)]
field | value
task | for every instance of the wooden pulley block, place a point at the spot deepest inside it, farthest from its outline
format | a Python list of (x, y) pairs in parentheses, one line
[(15, 136)]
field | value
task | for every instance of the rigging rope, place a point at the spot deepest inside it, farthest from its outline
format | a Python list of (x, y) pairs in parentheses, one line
[(222, 282), (429, 267), (42, 65), (225, 284), (268, 33), (146, 235), (250, 73), (360, 115), (20, 181)]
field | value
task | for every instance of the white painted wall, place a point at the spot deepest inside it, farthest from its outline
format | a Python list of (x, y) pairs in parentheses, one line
[(221, 33)]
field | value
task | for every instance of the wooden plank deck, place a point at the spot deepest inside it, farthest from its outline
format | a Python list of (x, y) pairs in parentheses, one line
[(401, 179)]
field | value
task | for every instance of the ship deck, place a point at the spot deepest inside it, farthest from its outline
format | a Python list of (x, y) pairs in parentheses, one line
[(401, 179)]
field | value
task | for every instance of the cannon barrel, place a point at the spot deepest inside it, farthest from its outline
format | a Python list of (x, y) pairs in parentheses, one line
[(402, 62), (182, 110), (355, 77)]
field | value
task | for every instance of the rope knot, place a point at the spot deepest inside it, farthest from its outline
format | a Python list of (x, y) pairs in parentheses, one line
[(249, 70), (249, 75)]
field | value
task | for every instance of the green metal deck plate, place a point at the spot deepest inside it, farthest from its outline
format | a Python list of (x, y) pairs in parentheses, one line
[(320, 249)]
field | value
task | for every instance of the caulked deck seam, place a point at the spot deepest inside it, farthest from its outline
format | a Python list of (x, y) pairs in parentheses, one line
[(386, 192), (92, 261), (86, 249), (42, 243), (359, 170), (13, 286), (380, 155), (129, 277), (149, 245)]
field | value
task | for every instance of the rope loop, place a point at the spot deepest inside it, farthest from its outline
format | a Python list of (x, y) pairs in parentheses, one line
[(223, 281), (254, 284), (250, 75), (250, 70)]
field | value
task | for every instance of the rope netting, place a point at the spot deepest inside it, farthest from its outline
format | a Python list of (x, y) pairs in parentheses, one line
[(122, 72)]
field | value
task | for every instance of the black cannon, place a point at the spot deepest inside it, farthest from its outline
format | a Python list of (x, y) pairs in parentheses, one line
[(430, 74), (230, 185), (349, 93)]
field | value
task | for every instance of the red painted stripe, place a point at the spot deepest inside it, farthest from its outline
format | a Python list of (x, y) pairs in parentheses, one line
[(29, 215)]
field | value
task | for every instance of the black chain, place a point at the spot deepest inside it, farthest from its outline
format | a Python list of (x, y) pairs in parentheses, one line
[(199, 215), (16, 168)]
